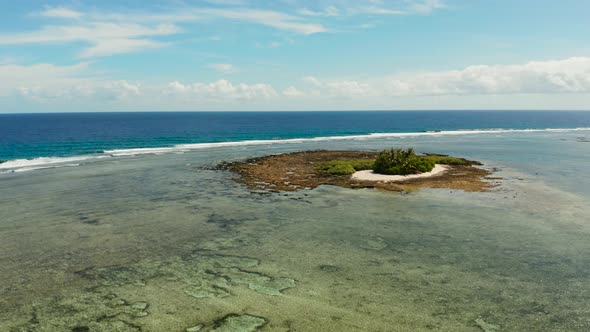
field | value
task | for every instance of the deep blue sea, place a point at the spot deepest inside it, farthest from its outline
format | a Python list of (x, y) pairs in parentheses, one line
[(26, 136)]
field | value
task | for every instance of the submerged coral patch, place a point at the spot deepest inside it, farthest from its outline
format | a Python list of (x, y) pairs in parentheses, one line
[(376, 243), (485, 326), (115, 301), (239, 323)]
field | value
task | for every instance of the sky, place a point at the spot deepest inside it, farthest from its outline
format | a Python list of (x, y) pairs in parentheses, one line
[(175, 55)]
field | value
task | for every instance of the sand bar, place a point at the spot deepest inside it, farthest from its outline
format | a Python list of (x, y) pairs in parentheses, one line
[(371, 176)]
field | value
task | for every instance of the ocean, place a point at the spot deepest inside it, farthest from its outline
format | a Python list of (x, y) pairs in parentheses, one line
[(25, 136), (120, 222)]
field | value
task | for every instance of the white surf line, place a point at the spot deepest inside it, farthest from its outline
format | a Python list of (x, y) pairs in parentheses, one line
[(19, 165), (197, 146)]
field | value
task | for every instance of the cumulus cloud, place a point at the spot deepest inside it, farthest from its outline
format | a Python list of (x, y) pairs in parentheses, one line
[(537, 77), (51, 83), (78, 84), (293, 92), (221, 90), (100, 91), (312, 81), (13, 76)]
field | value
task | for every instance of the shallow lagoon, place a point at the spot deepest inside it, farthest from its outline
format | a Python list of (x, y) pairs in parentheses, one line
[(164, 243)]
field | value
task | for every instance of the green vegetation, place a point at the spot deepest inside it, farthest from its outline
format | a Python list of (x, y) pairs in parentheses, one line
[(344, 167), (446, 160), (391, 162), (402, 162)]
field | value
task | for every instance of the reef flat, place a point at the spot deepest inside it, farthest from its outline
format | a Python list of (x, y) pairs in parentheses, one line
[(299, 170), (157, 243)]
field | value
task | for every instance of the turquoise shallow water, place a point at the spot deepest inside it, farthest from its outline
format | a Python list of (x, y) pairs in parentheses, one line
[(164, 243)]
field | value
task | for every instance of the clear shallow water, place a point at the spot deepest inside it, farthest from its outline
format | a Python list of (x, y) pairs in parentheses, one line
[(162, 243)]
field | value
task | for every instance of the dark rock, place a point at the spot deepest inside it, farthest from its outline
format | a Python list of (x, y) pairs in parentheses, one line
[(329, 268), (81, 329)]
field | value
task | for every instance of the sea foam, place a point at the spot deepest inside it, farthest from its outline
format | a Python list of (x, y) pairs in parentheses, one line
[(197, 146), (25, 165)]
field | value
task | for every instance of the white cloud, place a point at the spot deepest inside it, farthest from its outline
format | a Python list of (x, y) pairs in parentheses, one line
[(293, 92), (111, 33), (328, 11), (119, 46), (88, 32), (14, 77), (312, 81), (537, 77), (426, 6), (96, 91), (228, 2), (269, 18), (367, 26), (221, 89), (274, 19), (223, 67), (380, 11), (536, 84), (350, 88), (61, 12), (372, 7), (106, 38), (48, 83)]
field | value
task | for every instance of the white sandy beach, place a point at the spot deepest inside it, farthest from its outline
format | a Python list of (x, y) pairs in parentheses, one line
[(370, 176)]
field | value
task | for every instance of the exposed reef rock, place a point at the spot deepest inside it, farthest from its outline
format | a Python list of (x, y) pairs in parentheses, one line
[(297, 171)]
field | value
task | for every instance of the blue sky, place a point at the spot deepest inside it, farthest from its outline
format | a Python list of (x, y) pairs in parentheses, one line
[(293, 55)]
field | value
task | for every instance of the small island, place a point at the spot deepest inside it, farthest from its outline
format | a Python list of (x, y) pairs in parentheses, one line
[(394, 170)]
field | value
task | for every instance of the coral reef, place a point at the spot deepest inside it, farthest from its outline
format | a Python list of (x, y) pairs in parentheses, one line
[(114, 303)]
